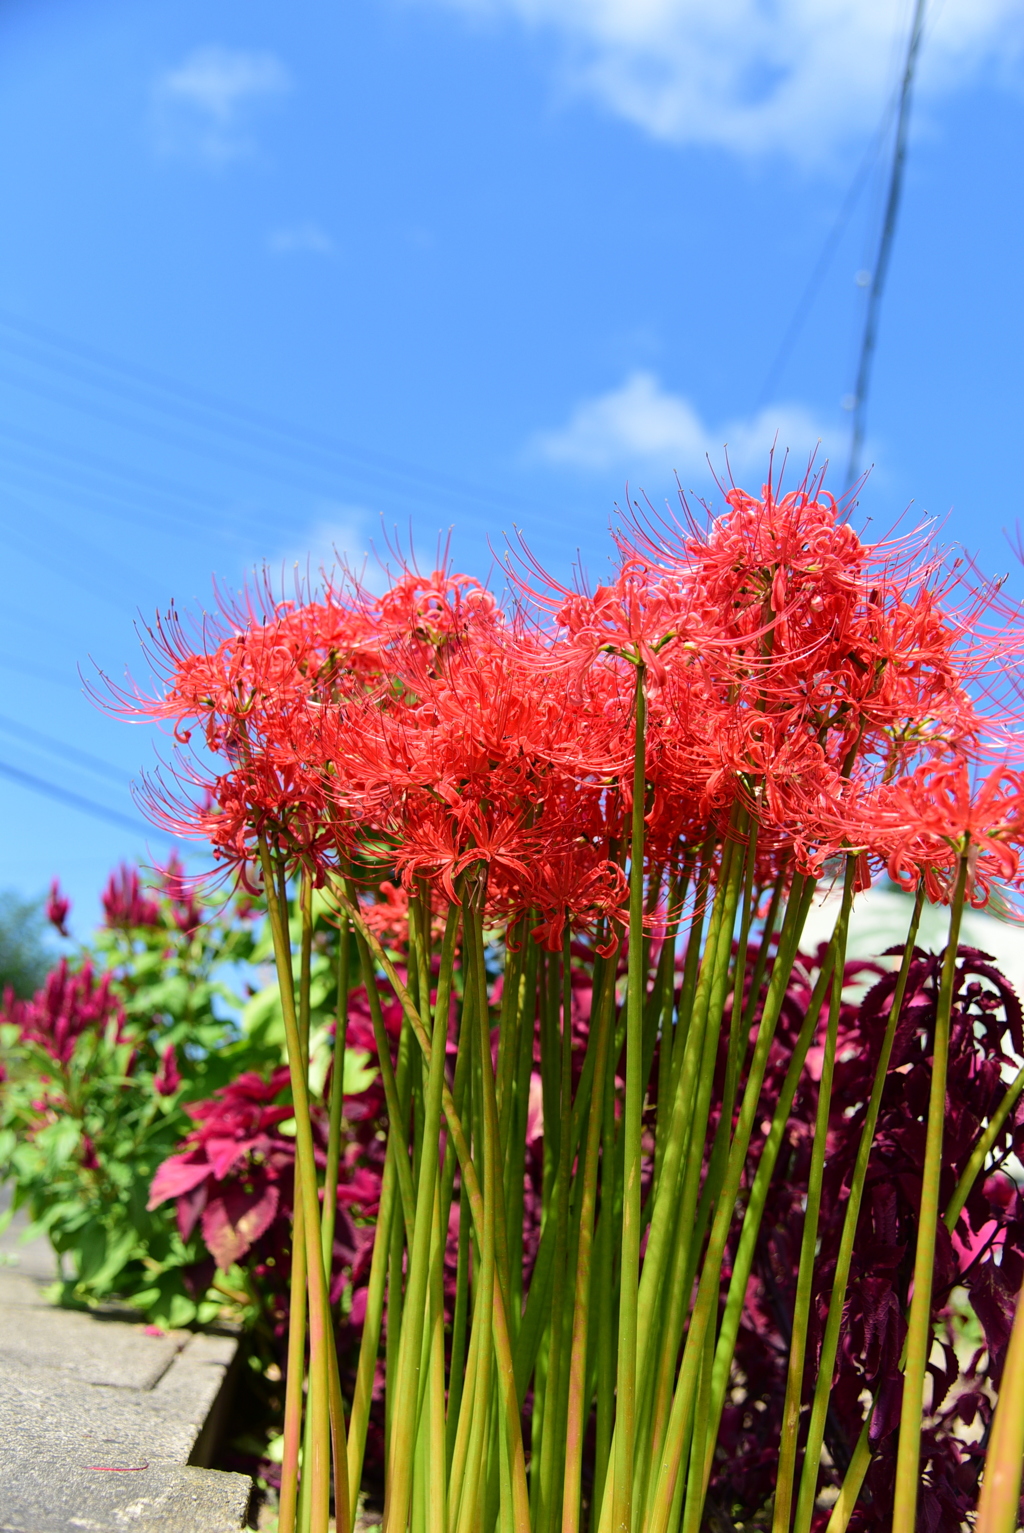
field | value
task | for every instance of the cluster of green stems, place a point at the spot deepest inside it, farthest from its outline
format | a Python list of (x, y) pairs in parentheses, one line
[(633, 1358)]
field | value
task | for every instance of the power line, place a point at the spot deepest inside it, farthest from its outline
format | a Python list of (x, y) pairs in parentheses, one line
[(238, 454), (197, 406), (828, 249), (881, 269), (61, 748), (75, 800), (40, 672)]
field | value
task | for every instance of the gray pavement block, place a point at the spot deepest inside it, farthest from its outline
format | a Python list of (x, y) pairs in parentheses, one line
[(56, 1498), (102, 1426), (98, 1351)]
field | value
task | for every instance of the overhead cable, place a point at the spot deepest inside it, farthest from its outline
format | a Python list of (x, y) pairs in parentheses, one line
[(75, 800), (881, 267), (61, 748)]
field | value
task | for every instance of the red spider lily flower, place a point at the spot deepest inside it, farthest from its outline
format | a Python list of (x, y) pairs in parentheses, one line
[(69, 1005), (57, 908), (921, 824)]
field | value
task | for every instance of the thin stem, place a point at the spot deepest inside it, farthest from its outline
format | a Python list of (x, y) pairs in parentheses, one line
[(908, 1458), (809, 1238), (1000, 1489), (578, 1398), (406, 1385), (369, 1342), (321, 1334), (976, 1163), (746, 1246), (625, 1426), (553, 1439), (837, 1300), (856, 1472), (337, 1094), (296, 1368), (665, 1478)]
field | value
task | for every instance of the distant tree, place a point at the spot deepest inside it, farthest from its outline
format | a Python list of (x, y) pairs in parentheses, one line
[(25, 958)]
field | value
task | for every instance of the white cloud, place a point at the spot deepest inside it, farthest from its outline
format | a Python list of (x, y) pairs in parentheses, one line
[(641, 427), (203, 106), (796, 76), (338, 536), (304, 237)]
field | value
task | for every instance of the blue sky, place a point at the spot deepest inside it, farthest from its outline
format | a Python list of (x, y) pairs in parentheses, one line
[(275, 278)]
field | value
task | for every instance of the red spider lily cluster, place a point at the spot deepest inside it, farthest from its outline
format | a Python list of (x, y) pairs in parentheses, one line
[(745, 709), (830, 687)]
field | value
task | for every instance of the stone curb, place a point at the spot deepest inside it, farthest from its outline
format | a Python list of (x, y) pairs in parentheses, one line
[(101, 1425)]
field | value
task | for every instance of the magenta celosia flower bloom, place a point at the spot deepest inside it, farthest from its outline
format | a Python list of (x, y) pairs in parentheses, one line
[(68, 1005)]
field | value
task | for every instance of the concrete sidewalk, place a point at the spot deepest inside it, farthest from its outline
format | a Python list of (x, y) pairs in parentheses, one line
[(101, 1425)]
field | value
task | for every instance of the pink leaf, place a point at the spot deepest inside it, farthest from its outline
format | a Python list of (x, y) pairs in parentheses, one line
[(232, 1221), (178, 1174)]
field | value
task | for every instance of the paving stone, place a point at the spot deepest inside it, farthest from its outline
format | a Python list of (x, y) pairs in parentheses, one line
[(55, 1498), (102, 1425), (96, 1350)]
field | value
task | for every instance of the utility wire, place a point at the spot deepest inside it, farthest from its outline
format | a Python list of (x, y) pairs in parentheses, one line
[(236, 448), (828, 249), (197, 406), (75, 800), (60, 748), (40, 672), (881, 270)]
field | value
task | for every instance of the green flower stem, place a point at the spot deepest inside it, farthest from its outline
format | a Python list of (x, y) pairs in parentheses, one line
[(687, 1189), (694, 950), (498, 1317), (406, 1385), (1000, 1489), (396, 1254), (809, 1240), (908, 1457), (702, 1446), (339, 1444), (837, 1300), (498, 1307), (666, 983), (459, 1329), (976, 1164), (321, 1335), (737, 1036), (509, 1026), (747, 1244), (296, 1369), (550, 1077), (579, 1399), (669, 1462), (626, 1372), (433, 1412), (396, 1117), (763, 952), (854, 1478), (470, 1404), (552, 1444), (515, 1160), (337, 1095), (604, 1278), (369, 1343), (476, 1477)]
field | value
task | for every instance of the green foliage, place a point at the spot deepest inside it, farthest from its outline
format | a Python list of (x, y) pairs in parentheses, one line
[(81, 1136)]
